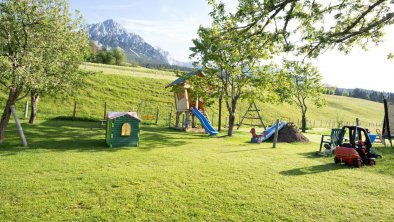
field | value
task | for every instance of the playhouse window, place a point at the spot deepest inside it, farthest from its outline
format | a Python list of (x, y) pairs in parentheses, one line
[(126, 129)]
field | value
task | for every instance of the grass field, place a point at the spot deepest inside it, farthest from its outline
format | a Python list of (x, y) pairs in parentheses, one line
[(128, 71), (68, 174)]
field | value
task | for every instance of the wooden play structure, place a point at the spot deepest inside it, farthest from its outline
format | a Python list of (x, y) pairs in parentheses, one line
[(123, 129), (188, 105), (388, 121), (253, 114)]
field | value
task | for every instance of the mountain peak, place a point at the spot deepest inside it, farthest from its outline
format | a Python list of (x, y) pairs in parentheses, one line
[(110, 34)]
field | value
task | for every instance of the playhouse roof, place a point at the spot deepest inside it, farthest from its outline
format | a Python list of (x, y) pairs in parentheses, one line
[(182, 80), (115, 115)]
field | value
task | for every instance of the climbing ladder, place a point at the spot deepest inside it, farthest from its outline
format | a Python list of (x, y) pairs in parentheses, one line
[(252, 108)]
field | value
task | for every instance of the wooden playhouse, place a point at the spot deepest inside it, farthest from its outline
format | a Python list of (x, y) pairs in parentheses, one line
[(123, 129)]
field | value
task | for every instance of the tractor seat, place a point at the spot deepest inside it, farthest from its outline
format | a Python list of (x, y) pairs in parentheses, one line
[(347, 145)]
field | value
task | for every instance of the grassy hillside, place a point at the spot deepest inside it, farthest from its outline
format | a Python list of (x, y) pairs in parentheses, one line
[(123, 88)]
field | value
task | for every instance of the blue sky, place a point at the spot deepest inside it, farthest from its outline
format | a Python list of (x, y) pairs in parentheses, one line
[(172, 24)]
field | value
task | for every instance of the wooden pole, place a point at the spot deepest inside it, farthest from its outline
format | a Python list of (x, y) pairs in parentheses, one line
[(357, 122), (276, 133), (26, 109), (105, 110), (183, 122), (169, 120), (18, 124), (220, 114), (75, 109), (157, 115)]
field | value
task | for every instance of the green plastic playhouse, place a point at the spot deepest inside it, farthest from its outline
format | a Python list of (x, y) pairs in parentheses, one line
[(123, 129)]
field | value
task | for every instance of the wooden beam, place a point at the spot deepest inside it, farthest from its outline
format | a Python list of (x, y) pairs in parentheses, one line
[(18, 124)]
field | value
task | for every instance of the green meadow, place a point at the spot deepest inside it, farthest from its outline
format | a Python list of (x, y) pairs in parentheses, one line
[(69, 174)]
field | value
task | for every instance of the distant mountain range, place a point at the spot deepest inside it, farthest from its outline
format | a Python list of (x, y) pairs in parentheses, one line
[(110, 35)]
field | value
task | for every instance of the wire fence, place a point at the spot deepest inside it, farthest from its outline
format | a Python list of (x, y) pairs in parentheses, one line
[(151, 112)]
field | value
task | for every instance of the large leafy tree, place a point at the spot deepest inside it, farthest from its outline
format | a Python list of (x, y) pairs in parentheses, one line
[(300, 84), (292, 27), (41, 47), (310, 27), (229, 64)]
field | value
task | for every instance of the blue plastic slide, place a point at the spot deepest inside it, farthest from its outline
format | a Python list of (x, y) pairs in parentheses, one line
[(205, 123), (271, 131)]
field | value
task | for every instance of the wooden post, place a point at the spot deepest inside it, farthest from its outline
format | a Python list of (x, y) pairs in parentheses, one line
[(177, 119), (276, 133), (220, 114), (183, 121), (169, 120), (18, 124), (75, 109), (105, 110), (157, 116), (357, 122), (26, 109)]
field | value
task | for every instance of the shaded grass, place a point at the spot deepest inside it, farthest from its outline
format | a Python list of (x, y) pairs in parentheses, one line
[(69, 174)]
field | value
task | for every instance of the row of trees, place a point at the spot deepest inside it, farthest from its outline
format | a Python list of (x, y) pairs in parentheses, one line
[(237, 51), (41, 47), (371, 95), (105, 56)]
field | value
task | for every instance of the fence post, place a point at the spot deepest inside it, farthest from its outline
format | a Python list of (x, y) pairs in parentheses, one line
[(157, 116), (105, 110), (276, 133), (169, 120), (26, 109), (75, 109)]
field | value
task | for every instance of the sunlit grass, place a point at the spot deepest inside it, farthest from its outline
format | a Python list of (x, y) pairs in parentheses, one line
[(69, 174)]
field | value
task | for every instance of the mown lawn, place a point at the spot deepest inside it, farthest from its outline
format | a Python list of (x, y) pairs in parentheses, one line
[(68, 174)]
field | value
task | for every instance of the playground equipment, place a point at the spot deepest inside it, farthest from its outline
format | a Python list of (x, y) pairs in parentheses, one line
[(354, 147), (388, 121), (151, 111), (248, 115), (332, 141), (188, 104), (204, 121), (123, 129), (266, 134)]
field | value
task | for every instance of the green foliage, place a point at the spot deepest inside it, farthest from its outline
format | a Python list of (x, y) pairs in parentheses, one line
[(69, 174), (298, 83), (231, 66), (41, 48), (302, 27), (120, 56)]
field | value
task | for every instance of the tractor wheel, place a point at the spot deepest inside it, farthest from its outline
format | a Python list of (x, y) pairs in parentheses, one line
[(357, 163), (337, 160)]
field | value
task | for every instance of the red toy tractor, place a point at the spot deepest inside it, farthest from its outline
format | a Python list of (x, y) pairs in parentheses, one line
[(354, 147)]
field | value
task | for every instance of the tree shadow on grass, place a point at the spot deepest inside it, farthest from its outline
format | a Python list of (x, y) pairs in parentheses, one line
[(85, 137), (311, 170), (155, 137)]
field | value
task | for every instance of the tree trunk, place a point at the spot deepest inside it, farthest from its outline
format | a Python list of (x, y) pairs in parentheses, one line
[(34, 106), (231, 120), (303, 128), (5, 118)]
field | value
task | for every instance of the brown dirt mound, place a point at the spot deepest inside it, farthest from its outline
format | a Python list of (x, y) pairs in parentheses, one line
[(291, 134)]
